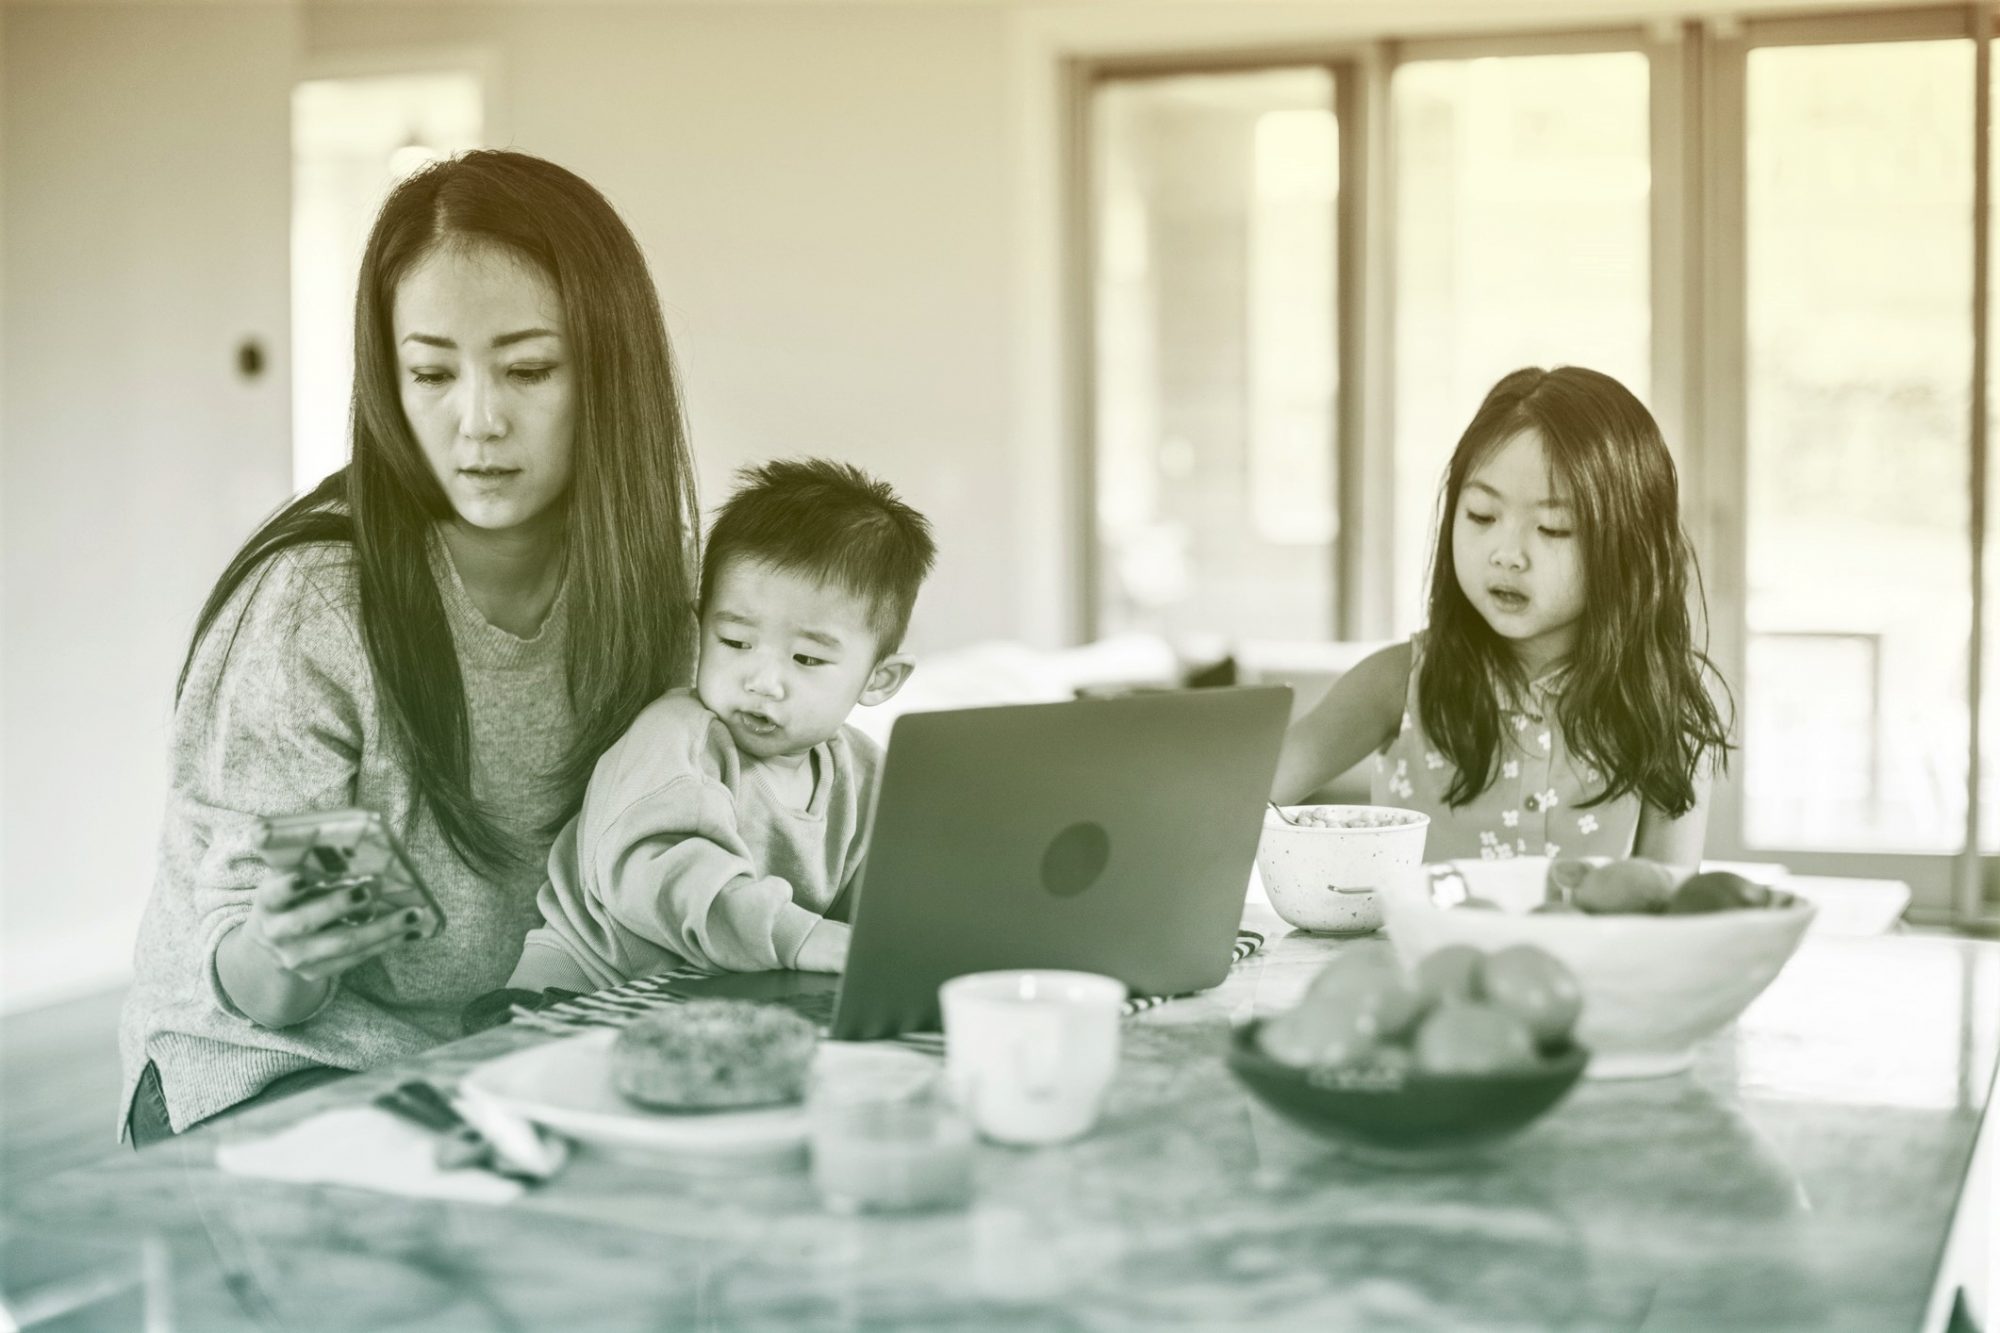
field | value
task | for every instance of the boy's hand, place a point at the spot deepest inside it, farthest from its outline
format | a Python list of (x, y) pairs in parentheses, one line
[(825, 949)]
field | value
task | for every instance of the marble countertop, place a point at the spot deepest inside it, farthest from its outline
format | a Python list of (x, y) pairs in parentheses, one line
[(1804, 1175)]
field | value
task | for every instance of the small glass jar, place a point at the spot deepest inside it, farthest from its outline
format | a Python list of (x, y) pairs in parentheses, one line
[(887, 1144)]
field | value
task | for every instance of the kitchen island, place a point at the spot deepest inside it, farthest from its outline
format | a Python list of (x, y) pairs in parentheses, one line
[(1806, 1174)]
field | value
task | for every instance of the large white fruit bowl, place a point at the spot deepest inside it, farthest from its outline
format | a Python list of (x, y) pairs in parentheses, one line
[(1653, 986)]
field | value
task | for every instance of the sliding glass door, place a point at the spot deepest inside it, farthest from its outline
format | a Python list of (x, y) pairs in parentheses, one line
[(1765, 227), (1854, 619), (1858, 188)]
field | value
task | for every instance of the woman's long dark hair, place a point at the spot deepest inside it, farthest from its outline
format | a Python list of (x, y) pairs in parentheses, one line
[(631, 522), (1635, 703)]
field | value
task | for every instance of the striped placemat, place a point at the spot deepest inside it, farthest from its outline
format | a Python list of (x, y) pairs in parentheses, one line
[(616, 1006)]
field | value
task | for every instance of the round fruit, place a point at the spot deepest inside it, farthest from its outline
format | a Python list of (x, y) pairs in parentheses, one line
[(1536, 987), (1450, 973), (1472, 1037), (1371, 982), (1717, 891), (1564, 876), (1625, 886), (1329, 1032), (1355, 966)]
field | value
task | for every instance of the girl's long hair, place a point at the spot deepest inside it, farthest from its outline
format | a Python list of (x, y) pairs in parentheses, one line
[(1635, 703), (631, 528)]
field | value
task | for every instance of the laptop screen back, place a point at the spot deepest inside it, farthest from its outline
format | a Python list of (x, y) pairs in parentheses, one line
[(1108, 835)]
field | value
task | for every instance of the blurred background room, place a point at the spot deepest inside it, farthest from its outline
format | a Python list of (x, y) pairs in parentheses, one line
[(1167, 314)]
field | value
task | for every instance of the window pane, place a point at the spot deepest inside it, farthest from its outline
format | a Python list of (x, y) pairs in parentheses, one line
[(1859, 185), (1522, 239), (1215, 203)]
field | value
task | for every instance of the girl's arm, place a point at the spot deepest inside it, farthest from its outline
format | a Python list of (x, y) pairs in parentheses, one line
[(1357, 717), (1676, 841)]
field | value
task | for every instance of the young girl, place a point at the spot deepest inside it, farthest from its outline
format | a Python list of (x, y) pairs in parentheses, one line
[(1557, 704)]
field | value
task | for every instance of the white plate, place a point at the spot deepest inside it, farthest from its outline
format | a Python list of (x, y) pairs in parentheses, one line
[(566, 1085)]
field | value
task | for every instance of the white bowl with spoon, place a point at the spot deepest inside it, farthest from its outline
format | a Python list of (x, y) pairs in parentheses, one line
[(1322, 865)]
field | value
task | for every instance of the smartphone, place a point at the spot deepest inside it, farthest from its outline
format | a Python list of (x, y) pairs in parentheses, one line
[(332, 851)]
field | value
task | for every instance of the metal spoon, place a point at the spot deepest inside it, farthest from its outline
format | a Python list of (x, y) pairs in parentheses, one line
[(1281, 813)]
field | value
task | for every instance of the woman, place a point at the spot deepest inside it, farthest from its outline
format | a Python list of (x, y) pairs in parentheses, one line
[(449, 631)]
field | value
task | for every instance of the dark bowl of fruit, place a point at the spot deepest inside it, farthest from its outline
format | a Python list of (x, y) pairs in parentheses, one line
[(1664, 956), (1423, 1066)]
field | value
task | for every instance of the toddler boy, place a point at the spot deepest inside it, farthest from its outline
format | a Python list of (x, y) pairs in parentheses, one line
[(728, 819)]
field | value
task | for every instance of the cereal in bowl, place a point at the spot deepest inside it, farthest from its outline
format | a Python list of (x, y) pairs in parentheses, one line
[(1347, 816)]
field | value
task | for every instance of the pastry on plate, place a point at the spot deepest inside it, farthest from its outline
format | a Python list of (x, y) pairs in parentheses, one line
[(708, 1055)]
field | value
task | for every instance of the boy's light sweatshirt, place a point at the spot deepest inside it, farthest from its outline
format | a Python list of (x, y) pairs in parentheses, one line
[(683, 854)]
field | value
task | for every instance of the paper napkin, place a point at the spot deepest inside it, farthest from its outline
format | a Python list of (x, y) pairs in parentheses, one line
[(366, 1148)]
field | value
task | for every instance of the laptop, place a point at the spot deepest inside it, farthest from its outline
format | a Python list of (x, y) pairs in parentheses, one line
[(1111, 835)]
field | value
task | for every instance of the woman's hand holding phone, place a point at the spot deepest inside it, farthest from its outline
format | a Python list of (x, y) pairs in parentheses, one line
[(278, 966), (318, 933), (353, 896)]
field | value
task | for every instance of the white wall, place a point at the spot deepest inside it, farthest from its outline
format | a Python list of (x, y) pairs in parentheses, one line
[(821, 192), (144, 235)]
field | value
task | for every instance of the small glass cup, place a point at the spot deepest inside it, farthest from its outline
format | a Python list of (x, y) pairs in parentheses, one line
[(887, 1143)]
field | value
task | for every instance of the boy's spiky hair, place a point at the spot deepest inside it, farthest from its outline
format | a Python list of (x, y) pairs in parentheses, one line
[(832, 521)]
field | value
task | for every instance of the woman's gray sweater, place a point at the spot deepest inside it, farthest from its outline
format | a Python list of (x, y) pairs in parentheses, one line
[(280, 715)]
